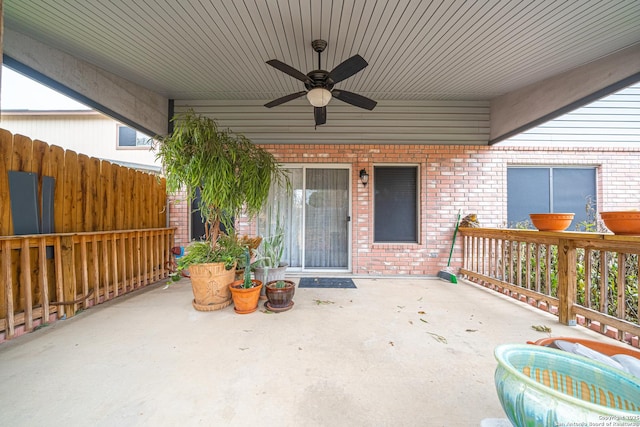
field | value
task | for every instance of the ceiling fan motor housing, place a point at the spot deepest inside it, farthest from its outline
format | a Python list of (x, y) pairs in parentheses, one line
[(319, 78)]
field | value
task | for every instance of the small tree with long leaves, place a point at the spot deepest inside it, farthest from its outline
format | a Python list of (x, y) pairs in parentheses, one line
[(230, 173)]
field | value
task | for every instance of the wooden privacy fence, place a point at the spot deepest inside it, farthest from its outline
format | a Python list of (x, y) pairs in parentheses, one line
[(585, 278), (106, 236)]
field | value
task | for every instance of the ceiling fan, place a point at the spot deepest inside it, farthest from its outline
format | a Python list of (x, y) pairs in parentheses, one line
[(319, 84)]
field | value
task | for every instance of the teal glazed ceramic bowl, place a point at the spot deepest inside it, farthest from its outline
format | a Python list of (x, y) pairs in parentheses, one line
[(540, 386)]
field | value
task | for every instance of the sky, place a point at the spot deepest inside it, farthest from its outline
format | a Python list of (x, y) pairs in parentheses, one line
[(22, 93)]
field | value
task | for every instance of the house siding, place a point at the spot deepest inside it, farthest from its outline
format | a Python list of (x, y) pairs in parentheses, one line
[(399, 122), (86, 132), (472, 179)]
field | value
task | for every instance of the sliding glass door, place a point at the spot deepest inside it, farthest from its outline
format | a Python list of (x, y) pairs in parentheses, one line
[(315, 216)]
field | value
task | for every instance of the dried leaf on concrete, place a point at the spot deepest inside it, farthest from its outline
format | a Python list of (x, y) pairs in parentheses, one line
[(437, 337)]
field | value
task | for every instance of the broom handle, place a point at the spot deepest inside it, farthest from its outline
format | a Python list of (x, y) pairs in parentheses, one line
[(453, 243)]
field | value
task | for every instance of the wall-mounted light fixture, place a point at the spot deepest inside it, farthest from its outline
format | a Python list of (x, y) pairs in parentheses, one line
[(364, 177)]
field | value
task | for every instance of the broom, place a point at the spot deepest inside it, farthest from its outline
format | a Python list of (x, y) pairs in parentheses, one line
[(446, 274)]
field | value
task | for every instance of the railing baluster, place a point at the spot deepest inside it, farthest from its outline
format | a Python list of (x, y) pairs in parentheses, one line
[(548, 266), (122, 263), (130, 254), (587, 277), (84, 267), (43, 280), (106, 266), (538, 270), (114, 260), (57, 257), (519, 263), (528, 266), (490, 258), (621, 287), (8, 288), (95, 269), (25, 268), (604, 285)]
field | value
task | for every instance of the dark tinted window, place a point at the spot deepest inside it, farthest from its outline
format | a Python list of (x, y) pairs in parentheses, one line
[(395, 204)]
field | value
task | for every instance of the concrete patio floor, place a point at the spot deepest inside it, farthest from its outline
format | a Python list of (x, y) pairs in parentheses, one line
[(394, 352)]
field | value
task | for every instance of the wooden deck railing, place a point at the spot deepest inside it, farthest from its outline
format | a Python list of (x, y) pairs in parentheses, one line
[(585, 278), (49, 276)]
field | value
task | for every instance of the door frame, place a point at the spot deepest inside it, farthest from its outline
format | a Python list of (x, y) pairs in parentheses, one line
[(344, 166)]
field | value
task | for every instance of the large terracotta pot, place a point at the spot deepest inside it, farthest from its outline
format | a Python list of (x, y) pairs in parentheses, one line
[(245, 300), (622, 222), (210, 284), (280, 299)]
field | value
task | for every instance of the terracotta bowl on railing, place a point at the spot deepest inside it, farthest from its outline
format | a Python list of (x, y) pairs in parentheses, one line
[(622, 222), (551, 221)]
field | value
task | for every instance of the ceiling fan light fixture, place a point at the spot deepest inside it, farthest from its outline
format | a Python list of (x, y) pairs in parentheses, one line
[(319, 97)]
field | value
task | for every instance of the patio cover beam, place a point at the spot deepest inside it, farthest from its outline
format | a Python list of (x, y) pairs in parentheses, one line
[(122, 100), (528, 107)]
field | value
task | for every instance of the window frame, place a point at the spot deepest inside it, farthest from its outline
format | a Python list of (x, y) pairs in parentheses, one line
[(130, 147), (549, 169)]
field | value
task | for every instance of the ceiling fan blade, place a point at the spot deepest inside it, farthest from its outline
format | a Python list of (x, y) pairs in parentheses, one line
[(284, 99), (354, 99), (320, 114), (288, 69), (347, 68)]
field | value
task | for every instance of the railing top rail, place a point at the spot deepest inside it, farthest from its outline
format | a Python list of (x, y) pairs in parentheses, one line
[(605, 241), (83, 233)]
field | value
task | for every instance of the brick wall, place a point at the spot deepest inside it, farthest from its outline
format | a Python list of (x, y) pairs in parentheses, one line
[(470, 178)]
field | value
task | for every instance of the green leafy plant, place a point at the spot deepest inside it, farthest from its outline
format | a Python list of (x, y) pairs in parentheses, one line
[(229, 172), (227, 250), (269, 253), (280, 284)]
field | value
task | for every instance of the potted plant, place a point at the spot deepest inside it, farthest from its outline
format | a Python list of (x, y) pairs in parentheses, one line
[(245, 292), (280, 295), (231, 175), (211, 269), (268, 265)]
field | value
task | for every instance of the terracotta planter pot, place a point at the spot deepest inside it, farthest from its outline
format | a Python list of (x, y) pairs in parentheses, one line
[(551, 221), (280, 299), (210, 285), (622, 222), (245, 300)]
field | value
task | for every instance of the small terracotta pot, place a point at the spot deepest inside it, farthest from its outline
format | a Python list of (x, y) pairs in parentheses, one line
[(280, 298), (551, 221), (245, 300)]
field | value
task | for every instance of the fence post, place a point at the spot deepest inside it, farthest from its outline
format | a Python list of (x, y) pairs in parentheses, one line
[(567, 281)]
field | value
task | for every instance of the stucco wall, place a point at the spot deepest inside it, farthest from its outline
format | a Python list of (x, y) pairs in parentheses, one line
[(472, 179)]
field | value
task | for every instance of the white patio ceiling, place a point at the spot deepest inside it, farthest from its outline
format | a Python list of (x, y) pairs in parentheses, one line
[(417, 50)]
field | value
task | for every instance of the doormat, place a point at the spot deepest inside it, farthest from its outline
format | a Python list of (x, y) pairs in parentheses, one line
[(326, 282)]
